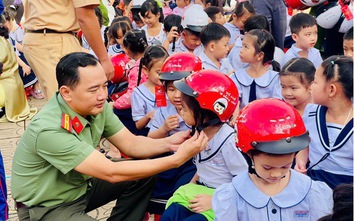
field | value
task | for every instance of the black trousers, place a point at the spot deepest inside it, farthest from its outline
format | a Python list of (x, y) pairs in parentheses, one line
[(132, 200)]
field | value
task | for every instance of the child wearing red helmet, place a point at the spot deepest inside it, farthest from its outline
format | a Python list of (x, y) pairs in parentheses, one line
[(208, 100), (168, 121), (270, 133)]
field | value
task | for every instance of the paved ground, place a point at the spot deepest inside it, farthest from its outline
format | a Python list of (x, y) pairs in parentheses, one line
[(10, 134)]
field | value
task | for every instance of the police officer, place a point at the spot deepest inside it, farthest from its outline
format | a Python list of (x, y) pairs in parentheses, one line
[(58, 174)]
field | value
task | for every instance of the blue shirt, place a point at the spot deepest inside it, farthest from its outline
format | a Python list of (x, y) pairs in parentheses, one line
[(234, 32), (208, 64), (162, 114), (329, 138), (234, 55), (180, 47), (314, 56), (302, 199), (143, 102), (220, 161), (267, 85)]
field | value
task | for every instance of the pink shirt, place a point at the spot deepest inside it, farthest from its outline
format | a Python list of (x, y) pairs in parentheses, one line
[(124, 101), (180, 11)]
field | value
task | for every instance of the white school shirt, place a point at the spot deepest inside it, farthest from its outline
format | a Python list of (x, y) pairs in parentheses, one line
[(234, 32), (154, 40), (162, 114), (114, 50), (314, 56), (301, 200), (329, 138), (143, 101), (179, 47), (86, 45), (208, 64), (220, 161), (267, 85)]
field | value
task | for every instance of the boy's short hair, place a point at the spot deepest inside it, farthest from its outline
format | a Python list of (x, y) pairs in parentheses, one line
[(300, 21), (213, 32), (256, 22), (212, 11), (349, 34)]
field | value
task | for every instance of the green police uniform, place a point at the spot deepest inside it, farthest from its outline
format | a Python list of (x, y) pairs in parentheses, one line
[(57, 140)]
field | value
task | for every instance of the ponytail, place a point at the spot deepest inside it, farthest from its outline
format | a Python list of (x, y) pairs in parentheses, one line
[(152, 53)]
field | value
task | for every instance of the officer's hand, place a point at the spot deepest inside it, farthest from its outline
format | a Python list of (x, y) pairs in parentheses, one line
[(191, 147), (108, 68)]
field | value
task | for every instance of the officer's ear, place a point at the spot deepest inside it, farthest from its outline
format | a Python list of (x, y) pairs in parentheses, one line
[(65, 92)]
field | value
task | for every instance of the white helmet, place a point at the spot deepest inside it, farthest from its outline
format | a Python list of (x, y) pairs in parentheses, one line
[(195, 18), (327, 15), (312, 2)]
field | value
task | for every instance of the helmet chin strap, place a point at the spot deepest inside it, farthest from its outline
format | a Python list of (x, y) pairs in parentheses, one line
[(251, 169), (199, 128)]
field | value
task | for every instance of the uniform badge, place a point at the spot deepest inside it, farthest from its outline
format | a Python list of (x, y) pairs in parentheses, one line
[(66, 122), (77, 125)]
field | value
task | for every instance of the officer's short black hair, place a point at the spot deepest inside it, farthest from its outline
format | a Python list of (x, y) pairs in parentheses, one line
[(67, 68), (213, 32)]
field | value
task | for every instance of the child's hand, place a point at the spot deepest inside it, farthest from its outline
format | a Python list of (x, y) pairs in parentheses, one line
[(171, 123), (26, 70), (150, 115), (111, 104), (300, 166), (172, 34), (200, 203)]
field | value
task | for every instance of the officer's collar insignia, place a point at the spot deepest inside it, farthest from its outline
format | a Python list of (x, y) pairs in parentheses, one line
[(66, 122), (77, 125)]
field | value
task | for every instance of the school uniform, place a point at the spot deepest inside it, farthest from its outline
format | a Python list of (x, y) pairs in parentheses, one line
[(179, 47), (302, 199), (234, 32), (114, 50), (217, 164), (234, 55), (208, 64), (154, 40), (313, 55), (329, 139), (143, 102), (170, 180), (162, 114), (86, 45), (17, 37), (265, 86)]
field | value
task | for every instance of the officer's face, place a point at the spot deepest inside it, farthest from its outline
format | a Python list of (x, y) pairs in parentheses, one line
[(90, 94)]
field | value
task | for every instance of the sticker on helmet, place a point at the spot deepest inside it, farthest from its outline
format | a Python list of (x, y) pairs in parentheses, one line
[(220, 105)]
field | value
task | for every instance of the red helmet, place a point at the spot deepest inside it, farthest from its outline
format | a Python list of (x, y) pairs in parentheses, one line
[(119, 61), (180, 65), (295, 4), (213, 90), (271, 126)]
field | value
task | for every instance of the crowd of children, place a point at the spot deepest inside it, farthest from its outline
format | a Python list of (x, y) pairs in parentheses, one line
[(186, 68)]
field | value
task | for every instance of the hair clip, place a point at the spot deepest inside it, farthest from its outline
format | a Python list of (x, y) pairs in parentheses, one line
[(332, 62)]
